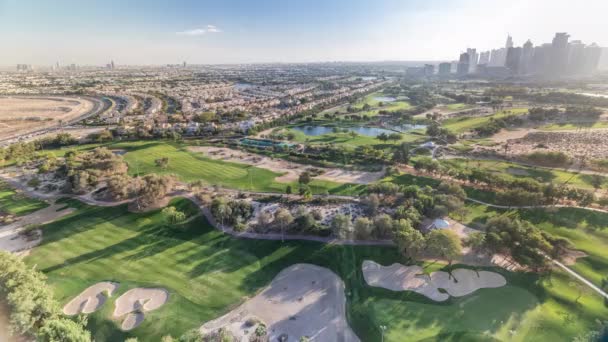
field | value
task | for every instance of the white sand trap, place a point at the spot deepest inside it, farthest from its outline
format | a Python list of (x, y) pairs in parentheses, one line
[(137, 301), (302, 300), (132, 321), (398, 277), (465, 281), (91, 299)]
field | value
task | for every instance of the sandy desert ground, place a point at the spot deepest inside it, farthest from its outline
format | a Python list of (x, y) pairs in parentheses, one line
[(23, 114)]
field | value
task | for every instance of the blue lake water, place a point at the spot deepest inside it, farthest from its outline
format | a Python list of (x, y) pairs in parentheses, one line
[(385, 99), (320, 130)]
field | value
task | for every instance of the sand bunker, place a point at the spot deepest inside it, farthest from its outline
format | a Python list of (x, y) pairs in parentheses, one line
[(91, 299), (462, 282), (302, 300), (135, 302)]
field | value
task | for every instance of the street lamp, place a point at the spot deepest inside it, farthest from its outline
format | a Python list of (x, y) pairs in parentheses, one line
[(382, 329)]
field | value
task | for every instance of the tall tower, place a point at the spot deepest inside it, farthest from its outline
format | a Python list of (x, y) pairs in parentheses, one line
[(509, 43), (526, 57), (473, 58), (559, 53), (112, 65)]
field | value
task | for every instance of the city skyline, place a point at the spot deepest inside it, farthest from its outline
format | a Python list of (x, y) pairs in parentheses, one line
[(134, 33)]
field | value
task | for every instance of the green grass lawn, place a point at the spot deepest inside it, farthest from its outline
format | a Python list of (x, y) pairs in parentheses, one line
[(466, 123), (514, 170), (207, 273), (17, 204), (457, 106), (191, 166), (399, 104)]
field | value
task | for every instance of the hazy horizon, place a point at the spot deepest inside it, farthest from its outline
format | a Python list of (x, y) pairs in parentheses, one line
[(238, 31)]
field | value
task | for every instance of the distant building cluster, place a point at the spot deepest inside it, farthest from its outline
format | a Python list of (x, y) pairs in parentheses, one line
[(559, 58)]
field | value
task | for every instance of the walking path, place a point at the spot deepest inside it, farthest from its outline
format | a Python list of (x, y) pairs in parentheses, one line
[(580, 278), (535, 206)]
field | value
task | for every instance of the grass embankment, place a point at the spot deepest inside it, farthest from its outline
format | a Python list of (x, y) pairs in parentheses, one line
[(17, 204), (467, 123), (208, 273)]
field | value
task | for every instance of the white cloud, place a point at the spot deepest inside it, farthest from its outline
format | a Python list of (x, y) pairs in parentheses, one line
[(213, 29), (200, 31)]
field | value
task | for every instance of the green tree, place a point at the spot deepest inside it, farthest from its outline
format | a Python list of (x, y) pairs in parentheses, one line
[(409, 240), (304, 178), (63, 330), (363, 228), (340, 226), (173, 216), (444, 244), (283, 219)]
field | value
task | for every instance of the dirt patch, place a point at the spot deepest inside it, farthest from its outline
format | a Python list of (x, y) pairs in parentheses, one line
[(572, 255), (504, 135), (22, 114), (12, 240), (290, 171), (346, 176), (302, 300), (135, 302), (91, 299), (461, 282)]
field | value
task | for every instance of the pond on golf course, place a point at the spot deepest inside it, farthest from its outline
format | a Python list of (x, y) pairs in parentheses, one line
[(320, 130), (385, 99)]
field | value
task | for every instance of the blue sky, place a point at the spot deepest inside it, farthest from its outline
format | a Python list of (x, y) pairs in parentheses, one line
[(234, 31)]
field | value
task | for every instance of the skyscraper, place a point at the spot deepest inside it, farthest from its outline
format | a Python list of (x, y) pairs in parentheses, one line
[(603, 65), (509, 43), (513, 62), (484, 58), (473, 57), (559, 55), (576, 57), (592, 55), (526, 57), (445, 69), (463, 64), (498, 57)]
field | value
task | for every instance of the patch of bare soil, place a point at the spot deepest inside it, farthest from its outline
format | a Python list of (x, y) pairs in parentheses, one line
[(302, 300)]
